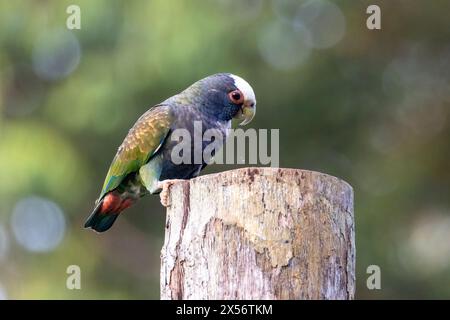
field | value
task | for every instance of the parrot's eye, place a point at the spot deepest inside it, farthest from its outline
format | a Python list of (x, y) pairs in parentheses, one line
[(236, 97)]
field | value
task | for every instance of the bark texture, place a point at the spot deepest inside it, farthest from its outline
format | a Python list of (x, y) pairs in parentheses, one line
[(259, 233)]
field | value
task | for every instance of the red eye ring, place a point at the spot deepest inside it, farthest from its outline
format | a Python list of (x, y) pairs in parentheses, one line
[(236, 96)]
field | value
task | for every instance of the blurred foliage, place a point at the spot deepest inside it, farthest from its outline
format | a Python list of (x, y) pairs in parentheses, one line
[(371, 107)]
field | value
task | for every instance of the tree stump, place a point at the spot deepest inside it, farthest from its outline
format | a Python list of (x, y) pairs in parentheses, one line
[(259, 233)]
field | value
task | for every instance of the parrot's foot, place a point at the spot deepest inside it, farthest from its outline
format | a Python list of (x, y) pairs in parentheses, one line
[(165, 186)]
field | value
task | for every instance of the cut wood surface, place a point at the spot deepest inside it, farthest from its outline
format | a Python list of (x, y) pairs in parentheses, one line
[(259, 233)]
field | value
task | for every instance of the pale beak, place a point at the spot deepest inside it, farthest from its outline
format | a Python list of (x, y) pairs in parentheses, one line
[(247, 112)]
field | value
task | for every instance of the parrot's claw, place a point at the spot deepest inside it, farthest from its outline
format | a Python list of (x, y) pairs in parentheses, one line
[(165, 194)]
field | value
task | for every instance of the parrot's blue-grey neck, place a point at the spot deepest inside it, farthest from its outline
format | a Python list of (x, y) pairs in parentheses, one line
[(222, 97)]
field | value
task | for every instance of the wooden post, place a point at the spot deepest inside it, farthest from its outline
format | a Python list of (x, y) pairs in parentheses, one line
[(259, 233)]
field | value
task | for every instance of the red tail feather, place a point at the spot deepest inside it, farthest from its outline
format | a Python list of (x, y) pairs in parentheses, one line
[(111, 203), (106, 212)]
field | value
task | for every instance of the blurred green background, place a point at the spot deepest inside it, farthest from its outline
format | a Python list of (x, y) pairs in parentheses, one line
[(371, 107)]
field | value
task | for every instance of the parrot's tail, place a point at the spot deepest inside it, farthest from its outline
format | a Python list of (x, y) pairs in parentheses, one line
[(107, 210)]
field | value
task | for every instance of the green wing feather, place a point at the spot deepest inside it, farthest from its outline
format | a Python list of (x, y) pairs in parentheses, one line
[(141, 143)]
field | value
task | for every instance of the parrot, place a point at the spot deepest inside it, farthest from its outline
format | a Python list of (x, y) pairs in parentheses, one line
[(143, 163)]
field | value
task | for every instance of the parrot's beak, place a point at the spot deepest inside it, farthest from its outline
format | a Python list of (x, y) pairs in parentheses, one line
[(247, 112)]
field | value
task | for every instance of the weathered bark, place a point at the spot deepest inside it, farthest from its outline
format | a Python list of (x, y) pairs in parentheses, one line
[(259, 233)]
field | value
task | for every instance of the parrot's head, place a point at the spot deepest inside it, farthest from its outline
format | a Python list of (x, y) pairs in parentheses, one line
[(227, 96)]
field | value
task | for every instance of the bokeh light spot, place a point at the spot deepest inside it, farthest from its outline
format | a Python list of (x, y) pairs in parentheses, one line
[(56, 54), (38, 224), (426, 248), (4, 243), (284, 47), (3, 294), (324, 20)]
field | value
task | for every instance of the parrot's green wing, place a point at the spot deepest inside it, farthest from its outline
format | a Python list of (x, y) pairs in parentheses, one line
[(142, 141)]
